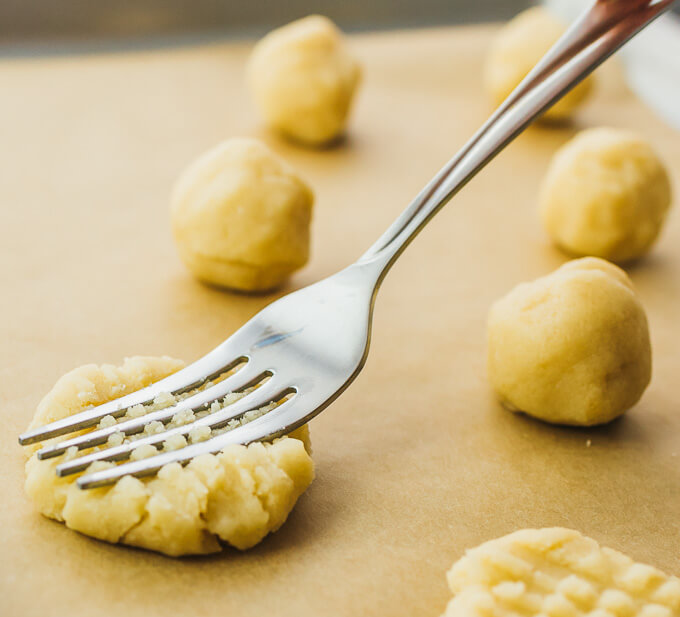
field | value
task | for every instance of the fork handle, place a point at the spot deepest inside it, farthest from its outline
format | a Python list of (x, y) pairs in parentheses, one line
[(597, 34)]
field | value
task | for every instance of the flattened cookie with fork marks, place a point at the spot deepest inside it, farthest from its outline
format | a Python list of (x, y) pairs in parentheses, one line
[(557, 572), (235, 497)]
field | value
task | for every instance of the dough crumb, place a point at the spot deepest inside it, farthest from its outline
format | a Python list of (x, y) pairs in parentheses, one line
[(164, 399), (115, 439), (199, 433), (186, 416), (557, 572), (136, 412), (174, 442), (144, 451), (107, 422), (154, 427)]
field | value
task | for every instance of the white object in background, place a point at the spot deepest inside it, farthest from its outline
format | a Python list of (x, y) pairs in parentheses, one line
[(651, 60)]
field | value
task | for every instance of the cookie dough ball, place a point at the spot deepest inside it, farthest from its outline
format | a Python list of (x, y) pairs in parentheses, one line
[(236, 496), (571, 347), (241, 217), (303, 80), (519, 45), (606, 194)]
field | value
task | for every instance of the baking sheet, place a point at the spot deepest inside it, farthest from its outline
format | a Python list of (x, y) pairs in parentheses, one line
[(416, 461)]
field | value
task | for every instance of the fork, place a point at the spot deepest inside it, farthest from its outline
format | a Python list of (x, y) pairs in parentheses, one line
[(304, 349)]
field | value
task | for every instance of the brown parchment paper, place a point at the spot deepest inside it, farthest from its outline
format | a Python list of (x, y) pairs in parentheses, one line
[(416, 461)]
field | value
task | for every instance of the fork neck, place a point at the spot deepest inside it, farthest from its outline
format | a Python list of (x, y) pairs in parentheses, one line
[(600, 31)]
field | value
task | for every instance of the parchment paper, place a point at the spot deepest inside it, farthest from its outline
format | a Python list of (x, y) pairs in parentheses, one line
[(416, 461)]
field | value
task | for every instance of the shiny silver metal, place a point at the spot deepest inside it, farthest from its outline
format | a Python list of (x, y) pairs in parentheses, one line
[(312, 343)]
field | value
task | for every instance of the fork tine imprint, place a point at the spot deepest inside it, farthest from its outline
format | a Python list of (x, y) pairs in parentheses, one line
[(259, 429), (260, 397), (209, 367), (241, 379)]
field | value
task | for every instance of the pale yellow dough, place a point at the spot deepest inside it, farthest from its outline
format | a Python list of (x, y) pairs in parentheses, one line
[(241, 217), (303, 80), (606, 194), (518, 46), (557, 572), (571, 347), (235, 497)]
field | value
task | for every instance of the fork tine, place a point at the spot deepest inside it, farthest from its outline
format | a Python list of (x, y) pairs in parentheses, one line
[(220, 360), (244, 378), (255, 400), (285, 418)]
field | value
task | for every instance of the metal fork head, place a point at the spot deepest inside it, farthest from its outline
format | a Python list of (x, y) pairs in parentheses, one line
[(310, 345)]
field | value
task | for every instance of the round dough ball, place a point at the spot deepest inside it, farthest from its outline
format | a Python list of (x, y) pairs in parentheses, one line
[(606, 194), (519, 45), (571, 347), (303, 80), (241, 217)]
